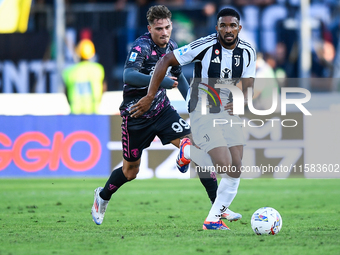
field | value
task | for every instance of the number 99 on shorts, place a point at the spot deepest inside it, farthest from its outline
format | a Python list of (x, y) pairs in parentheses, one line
[(178, 126)]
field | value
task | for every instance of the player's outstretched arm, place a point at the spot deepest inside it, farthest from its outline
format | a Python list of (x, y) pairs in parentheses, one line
[(135, 78), (161, 67), (183, 85)]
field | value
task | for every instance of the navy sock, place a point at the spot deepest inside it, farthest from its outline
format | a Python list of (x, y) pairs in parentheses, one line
[(116, 180), (209, 182)]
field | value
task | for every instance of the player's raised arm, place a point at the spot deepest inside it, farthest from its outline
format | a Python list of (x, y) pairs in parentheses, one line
[(159, 73), (138, 79)]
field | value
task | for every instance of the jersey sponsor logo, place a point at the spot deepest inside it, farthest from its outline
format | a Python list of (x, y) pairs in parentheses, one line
[(133, 56), (183, 50), (237, 60), (226, 73), (216, 60)]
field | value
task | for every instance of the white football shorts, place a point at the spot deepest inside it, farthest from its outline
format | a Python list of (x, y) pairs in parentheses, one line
[(215, 130)]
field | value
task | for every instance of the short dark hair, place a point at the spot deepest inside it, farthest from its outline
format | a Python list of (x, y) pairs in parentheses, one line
[(228, 12), (157, 12)]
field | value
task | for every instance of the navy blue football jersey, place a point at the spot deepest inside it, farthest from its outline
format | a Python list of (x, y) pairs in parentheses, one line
[(143, 57)]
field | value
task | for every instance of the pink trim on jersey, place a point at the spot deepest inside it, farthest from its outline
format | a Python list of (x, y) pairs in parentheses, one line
[(138, 48)]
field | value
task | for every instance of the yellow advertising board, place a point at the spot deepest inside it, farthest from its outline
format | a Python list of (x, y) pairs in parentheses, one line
[(14, 15)]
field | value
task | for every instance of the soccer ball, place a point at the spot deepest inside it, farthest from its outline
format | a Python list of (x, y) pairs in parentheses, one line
[(266, 221)]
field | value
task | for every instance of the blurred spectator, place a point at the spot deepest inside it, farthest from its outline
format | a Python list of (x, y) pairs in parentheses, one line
[(182, 28), (247, 2), (120, 4), (209, 9), (323, 59), (335, 29), (322, 66), (42, 2), (265, 83), (209, 12), (280, 59), (278, 63), (170, 3), (84, 81), (323, 52), (271, 25)]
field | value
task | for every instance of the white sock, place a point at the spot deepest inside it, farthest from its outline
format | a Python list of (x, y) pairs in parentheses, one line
[(200, 157), (226, 192)]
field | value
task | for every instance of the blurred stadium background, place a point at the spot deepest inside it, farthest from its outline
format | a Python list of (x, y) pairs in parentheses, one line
[(298, 42)]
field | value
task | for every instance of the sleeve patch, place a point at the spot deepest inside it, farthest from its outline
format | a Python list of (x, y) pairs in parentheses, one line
[(133, 56), (183, 50)]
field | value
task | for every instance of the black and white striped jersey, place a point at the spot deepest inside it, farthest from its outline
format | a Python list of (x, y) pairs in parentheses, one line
[(215, 64)]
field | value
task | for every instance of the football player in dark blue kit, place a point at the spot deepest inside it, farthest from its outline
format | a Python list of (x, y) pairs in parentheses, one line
[(160, 120)]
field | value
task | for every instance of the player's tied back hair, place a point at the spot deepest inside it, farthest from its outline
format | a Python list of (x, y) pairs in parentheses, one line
[(228, 12), (157, 12)]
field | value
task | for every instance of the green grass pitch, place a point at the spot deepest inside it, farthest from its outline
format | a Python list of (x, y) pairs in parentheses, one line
[(155, 216)]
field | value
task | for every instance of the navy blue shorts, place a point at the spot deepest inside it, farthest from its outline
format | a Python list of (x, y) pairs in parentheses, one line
[(137, 134)]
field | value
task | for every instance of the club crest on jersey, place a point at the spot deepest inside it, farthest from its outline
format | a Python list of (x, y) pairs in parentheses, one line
[(135, 152), (237, 60), (217, 52), (133, 56)]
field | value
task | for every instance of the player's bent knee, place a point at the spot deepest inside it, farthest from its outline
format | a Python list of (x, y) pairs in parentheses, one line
[(235, 174), (131, 172), (130, 175)]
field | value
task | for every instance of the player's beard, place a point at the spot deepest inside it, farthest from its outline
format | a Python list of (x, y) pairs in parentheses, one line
[(163, 41), (228, 44)]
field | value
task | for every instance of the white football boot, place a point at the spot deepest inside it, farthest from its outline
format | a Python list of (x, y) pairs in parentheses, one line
[(99, 207), (231, 216)]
